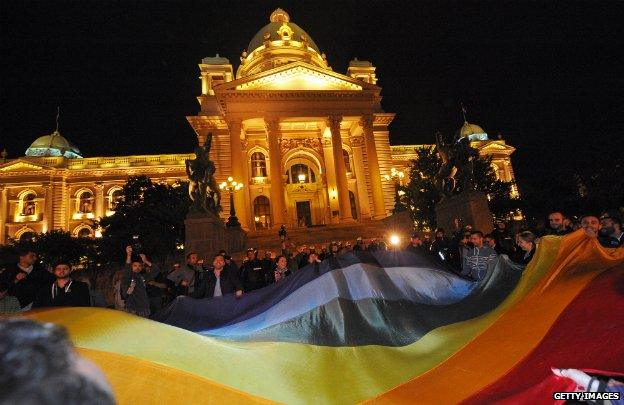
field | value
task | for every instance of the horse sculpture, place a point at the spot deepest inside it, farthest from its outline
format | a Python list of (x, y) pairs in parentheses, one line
[(203, 189), (456, 172)]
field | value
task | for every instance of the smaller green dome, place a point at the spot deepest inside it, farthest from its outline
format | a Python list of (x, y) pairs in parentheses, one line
[(53, 145), (473, 131)]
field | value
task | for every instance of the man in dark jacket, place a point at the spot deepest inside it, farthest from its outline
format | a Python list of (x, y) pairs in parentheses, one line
[(610, 233), (252, 273), (64, 292), (26, 278), (133, 287), (218, 281)]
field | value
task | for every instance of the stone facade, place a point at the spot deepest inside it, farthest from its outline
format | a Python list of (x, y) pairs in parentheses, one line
[(311, 147)]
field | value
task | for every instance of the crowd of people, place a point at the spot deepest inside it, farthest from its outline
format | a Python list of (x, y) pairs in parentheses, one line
[(142, 288), (471, 251)]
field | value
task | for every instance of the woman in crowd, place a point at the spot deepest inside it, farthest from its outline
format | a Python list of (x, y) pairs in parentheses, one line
[(526, 241), (281, 268)]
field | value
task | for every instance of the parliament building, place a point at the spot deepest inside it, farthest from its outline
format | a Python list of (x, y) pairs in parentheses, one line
[(311, 147)]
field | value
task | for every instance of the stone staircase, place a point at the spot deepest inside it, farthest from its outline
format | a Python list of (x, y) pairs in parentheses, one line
[(318, 235)]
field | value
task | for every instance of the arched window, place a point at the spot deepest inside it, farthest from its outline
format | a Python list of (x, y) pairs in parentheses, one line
[(347, 161), (115, 197), (28, 204), (85, 202), (84, 233), (27, 235), (300, 173), (262, 212), (258, 165)]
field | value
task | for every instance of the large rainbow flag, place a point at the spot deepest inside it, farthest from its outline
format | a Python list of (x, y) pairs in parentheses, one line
[(384, 328)]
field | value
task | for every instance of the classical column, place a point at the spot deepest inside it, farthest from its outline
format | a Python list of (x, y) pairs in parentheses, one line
[(99, 200), (379, 210), (278, 201), (357, 143), (4, 211), (47, 206), (333, 122), (239, 171)]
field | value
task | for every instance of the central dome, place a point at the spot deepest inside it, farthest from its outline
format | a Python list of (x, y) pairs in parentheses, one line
[(54, 144), (279, 43), (272, 29)]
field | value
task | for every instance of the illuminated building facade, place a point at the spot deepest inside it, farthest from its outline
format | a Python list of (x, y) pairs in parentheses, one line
[(311, 147)]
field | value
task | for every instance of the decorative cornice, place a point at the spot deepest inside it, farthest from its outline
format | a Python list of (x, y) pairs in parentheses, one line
[(383, 119), (294, 94), (310, 143), (201, 122)]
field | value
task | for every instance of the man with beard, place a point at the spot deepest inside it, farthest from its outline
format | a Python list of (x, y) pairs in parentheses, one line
[(556, 225), (133, 287), (64, 292), (610, 234)]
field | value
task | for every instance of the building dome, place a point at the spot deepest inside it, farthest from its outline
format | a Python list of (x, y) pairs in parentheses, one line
[(272, 31), (278, 43), (54, 144), (473, 131)]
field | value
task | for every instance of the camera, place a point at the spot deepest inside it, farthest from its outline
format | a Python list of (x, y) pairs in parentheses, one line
[(137, 248)]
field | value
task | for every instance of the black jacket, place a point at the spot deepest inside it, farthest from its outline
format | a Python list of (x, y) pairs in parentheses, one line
[(27, 290), (75, 294), (206, 281), (253, 275)]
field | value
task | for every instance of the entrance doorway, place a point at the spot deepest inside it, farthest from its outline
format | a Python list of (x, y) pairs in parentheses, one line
[(353, 205), (262, 212), (304, 213)]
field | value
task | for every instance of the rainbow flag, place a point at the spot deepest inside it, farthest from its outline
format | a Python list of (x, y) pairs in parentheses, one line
[(383, 328)]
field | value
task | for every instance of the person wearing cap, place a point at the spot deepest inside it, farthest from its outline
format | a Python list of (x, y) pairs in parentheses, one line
[(610, 233), (252, 273)]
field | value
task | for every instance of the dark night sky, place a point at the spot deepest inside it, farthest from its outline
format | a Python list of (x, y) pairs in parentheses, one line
[(547, 76)]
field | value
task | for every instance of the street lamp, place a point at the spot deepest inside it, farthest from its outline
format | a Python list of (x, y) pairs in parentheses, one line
[(397, 176), (231, 186)]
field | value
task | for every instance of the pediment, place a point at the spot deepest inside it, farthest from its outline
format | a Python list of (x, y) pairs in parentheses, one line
[(297, 76), (21, 166), (494, 146)]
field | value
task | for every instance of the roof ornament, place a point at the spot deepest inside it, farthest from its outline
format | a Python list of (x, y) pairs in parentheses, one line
[(463, 109), (58, 114), (279, 15), (285, 32), (56, 131)]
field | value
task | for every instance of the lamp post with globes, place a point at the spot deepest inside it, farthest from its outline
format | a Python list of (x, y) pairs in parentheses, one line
[(397, 177), (231, 186)]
